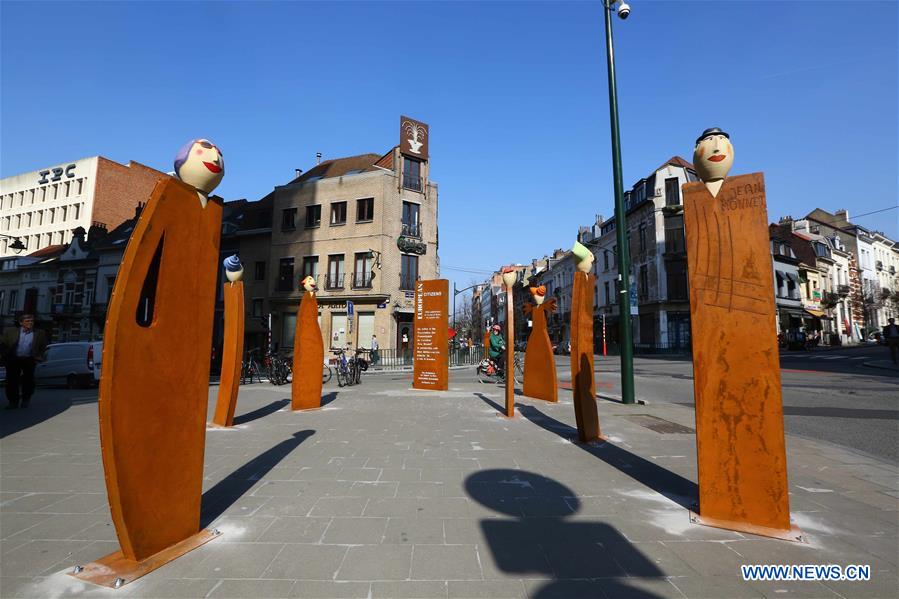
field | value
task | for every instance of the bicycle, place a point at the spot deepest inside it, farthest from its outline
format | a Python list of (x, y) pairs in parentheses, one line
[(358, 364), (277, 368), (326, 372), (345, 372), (488, 372), (249, 368)]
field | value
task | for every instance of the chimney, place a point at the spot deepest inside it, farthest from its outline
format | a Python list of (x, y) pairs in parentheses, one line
[(842, 214), (299, 172), (318, 158)]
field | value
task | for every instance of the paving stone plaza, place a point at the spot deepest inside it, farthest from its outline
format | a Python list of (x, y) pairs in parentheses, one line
[(390, 492)]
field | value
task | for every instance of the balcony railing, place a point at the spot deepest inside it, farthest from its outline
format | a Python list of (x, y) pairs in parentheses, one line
[(362, 280), (843, 290), (411, 182), (333, 281), (411, 230)]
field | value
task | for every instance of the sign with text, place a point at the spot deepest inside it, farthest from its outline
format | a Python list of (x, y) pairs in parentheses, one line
[(430, 359)]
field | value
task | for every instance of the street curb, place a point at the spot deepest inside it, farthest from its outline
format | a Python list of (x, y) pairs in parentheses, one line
[(887, 366), (617, 399)]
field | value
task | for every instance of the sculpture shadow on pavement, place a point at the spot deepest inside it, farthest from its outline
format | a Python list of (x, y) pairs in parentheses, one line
[(675, 487), (538, 536), (234, 486), (261, 412)]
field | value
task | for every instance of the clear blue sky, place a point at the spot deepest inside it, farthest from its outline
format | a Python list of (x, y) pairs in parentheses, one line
[(515, 95)]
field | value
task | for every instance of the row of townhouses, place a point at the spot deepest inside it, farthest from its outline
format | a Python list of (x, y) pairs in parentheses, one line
[(364, 226), (833, 279)]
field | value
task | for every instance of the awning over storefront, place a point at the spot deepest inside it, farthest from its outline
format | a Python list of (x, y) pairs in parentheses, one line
[(816, 313), (791, 311)]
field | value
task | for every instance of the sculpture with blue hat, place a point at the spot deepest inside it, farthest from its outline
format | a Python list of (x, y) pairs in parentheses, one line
[(232, 344)]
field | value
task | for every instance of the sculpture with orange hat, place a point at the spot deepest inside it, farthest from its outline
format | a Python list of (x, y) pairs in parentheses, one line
[(539, 364)]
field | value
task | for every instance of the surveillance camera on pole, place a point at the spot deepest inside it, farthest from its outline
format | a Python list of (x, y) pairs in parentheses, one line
[(624, 10)]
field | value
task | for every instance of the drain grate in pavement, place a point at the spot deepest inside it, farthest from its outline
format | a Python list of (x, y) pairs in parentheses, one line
[(659, 425)]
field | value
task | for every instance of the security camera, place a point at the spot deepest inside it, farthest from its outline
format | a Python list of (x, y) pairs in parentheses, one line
[(624, 10)]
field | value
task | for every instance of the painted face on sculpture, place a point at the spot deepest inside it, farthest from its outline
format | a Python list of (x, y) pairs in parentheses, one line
[(713, 157), (539, 294), (309, 284), (233, 268), (200, 163)]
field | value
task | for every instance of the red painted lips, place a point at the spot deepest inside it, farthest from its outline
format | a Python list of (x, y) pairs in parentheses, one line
[(715, 158), (212, 167)]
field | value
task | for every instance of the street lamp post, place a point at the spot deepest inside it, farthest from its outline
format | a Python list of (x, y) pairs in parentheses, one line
[(17, 246), (624, 320)]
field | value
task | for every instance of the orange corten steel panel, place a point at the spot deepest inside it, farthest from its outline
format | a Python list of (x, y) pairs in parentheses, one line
[(510, 355), (739, 416), (583, 385), (430, 359), (486, 343), (539, 363), (155, 384), (308, 356), (232, 351)]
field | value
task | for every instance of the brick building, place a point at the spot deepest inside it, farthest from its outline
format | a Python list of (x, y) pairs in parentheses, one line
[(42, 208)]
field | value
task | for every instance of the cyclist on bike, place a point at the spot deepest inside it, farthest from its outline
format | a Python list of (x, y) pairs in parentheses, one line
[(497, 347)]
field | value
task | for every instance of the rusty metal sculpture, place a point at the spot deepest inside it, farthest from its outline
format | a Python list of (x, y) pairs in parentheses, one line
[(232, 345), (739, 416), (583, 385), (539, 365), (509, 277), (308, 353), (155, 385)]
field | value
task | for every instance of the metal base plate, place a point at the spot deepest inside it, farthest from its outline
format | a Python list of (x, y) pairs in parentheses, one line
[(793, 534), (115, 570)]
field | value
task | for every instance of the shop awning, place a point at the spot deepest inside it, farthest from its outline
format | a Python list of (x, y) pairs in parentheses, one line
[(791, 311), (792, 277), (816, 313)]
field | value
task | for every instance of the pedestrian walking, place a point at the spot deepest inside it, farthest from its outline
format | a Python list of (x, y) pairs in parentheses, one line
[(21, 348), (375, 346), (891, 337)]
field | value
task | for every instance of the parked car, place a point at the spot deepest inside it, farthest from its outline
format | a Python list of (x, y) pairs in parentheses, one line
[(75, 364)]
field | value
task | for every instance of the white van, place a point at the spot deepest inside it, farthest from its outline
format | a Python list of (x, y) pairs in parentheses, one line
[(75, 364)]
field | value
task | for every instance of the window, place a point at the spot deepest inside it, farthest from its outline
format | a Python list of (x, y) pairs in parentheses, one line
[(310, 267), (605, 260), (338, 213), (313, 216), (68, 185), (285, 274), (676, 273), (13, 300), (338, 329), (68, 294), (335, 272), (411, 174), (605, 288), (110, 285), (672, 192), (257, 307), (411, 223), (643, 282), (76, 209), (289, 219), (674, 235), (88, 297), (362, 270), (80, 186), (365, 209), (408, 271), (259, 271), (642, 237)]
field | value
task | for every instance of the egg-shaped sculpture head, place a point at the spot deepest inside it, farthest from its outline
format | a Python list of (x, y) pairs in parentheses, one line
[(509, 276), (538, 293), (200, 163), (233, 268), (308, 284), (583, 256), (713, 155)]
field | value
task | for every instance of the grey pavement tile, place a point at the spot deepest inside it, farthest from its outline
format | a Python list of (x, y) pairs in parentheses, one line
[(810, 589), (306, 562), (281, 488), (708, 558), (333, 589), (240, 589), (443, 475), (420, 489), (543, 507), (647, 560), (32, 502), (394, 473), (357, 474), (575, 560), (35, 557), (318, 473), (503, 559), (414, 531), (287, 506), (355, 531), (339, 506), (295, 530), (14, 523), (103, 530), (174, 588), (234, 560), (446, 562), (349, 462), (462, 531), (885, 548), (415, 589), (63, 526), (376, 562), (485, 589), (372, 489), (81, 503), (880, 586), (236, 529), (432, 507), (715, 587), (245, 506)]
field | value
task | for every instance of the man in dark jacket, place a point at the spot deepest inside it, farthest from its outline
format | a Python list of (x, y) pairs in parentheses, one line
[(21, 348), (891, 338)]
